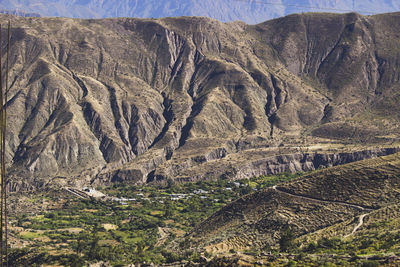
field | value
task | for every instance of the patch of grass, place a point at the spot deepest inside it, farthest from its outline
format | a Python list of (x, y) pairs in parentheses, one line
[(28, 235)]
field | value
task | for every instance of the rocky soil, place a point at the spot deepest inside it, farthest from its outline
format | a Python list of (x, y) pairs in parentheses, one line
[(136, 100)]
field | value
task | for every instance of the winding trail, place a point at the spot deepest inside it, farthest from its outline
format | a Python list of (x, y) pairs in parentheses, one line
[(163, 236), (360, 223), (361, 218), (281, 190)]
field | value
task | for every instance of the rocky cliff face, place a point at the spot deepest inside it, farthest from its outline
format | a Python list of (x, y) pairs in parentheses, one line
[(291, 163), (133, 100)]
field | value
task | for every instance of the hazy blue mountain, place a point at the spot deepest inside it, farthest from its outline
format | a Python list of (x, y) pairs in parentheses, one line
[(250, 11), (20, 13)]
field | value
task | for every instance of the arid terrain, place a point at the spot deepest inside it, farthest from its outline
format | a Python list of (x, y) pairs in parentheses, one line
[(137, 100), (274, 142)]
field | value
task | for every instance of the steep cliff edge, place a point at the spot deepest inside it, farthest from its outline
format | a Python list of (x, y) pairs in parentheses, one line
[(135, 99)]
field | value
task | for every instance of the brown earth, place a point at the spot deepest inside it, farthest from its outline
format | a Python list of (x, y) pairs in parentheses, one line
[(136, 100)]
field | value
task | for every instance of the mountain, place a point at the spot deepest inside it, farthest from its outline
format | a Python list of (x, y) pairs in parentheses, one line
[(19, 13), (349, 205), (224, 10), (137, 100)]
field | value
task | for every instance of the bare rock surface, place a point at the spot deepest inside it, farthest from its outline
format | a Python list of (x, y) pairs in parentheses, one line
[(134, 100)]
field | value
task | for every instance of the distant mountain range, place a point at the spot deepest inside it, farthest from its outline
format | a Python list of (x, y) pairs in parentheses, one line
[(19, 13), (250, 11)]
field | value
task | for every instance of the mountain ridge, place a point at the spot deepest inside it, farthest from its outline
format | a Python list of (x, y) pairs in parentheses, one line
[(133, 100), (224, 10)]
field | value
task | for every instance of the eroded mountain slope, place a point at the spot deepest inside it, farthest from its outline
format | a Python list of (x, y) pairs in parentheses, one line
[(94, 101)]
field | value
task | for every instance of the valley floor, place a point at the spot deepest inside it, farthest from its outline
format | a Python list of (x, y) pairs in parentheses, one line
[(342, 216), (125, 224)]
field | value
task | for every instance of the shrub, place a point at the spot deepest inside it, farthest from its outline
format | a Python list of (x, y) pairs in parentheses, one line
[(286, 242), (370, 263), (311, 247), (333, 243), (170, 257), (291, 263)]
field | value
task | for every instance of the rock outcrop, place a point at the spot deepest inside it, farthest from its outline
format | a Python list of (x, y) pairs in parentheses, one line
[(130, 100)]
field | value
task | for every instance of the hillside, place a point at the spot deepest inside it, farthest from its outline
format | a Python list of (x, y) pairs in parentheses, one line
[(346, 215), (354, 206), (224, 10), (137, 100)]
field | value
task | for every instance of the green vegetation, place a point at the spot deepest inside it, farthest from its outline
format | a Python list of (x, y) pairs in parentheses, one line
[(157, 218), (374, 247), (126, 231), (378, 238), (268, 181), (367, 249), (286, 241)]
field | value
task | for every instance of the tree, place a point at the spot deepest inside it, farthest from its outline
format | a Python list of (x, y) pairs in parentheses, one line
[(170, 183), (286, 241), (80, 244), (245, 190), (94, 249), (169, 209)]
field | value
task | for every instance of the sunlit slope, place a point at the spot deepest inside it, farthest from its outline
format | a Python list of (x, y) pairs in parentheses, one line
[(325, 203), (137, 100)]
